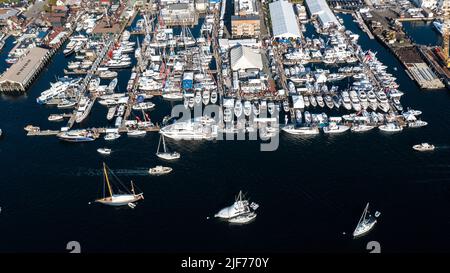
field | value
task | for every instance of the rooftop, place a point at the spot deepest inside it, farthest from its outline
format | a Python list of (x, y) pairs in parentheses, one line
[(22, 71)]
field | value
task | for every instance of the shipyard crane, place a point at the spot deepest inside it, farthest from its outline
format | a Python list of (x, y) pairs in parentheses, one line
[(446, 31)]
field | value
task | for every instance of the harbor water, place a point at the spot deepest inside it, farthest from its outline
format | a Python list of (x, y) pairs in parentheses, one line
[(311, 191)]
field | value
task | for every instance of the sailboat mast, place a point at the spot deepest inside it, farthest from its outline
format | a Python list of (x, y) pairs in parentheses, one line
[(107, 180), (132, 187), (159, 144), (164, 143)]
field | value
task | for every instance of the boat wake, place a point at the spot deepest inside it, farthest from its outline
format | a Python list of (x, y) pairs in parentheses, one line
[(118, 172)]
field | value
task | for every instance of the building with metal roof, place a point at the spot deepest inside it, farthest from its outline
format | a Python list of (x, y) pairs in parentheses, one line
[(284, 21), (243, 57), (323, 12), (20, 75)]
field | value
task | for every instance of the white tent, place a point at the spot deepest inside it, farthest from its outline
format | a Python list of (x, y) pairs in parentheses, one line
[(284, 21), (243, 58)]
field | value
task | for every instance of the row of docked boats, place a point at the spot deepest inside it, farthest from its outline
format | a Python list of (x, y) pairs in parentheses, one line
[(204, 97)]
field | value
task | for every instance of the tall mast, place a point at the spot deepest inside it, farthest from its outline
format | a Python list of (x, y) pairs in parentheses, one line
[(132, 187), (159, 143), (107, 179), (164, 143)]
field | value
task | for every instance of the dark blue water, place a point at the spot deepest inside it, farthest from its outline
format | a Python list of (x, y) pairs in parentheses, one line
[(309, 190), (416, 31)]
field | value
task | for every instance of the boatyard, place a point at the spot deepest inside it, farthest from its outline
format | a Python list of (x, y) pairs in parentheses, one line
[(96, 92)]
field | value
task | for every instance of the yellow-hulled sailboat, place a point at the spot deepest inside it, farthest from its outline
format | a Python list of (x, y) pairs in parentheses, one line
[(122, 199)]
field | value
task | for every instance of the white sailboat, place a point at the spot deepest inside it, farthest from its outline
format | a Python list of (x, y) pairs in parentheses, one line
[(166, 155), (111, 199), (365, 224)]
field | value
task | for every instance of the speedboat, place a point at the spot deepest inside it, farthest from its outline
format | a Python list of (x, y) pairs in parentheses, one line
[(77, 136), (65, 104), (56, 117), (329, 101), (306, 130), (286, 106), (159, 170), (390, 127), (306, 101), (198, 98), (247, 108), (144, 106), (417, 124), (136, 133), (112, 136), (104, 151), (313, 101), (227, 115), (206, 97), (319, 100), (238, 108), (213, 97), (361, 128), (334, 128), (423, 147)]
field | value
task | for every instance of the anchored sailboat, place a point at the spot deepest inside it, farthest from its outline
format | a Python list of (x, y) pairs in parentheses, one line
[(117, 199), (166, 155), (365, 224)]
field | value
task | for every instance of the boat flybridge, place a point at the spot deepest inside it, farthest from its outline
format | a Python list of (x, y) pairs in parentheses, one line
[(112, 199), (365, 224), (166, 155), (241, 212)]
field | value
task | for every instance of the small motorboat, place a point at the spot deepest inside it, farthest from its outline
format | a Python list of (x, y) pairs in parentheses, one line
[(144, 106), (104, 151), (423, 147), (112, 136), (55, 117), (136, 133), (159, 170)]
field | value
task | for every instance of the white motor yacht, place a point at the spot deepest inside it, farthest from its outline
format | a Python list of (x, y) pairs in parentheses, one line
[(112, 136), (104, 151), (159, 170), (423, 147), (306, 130), (390, 127), (334, 128)]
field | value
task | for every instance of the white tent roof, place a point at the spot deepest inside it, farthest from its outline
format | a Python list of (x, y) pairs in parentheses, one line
[(323, 11), (243, 57), (284, 22)]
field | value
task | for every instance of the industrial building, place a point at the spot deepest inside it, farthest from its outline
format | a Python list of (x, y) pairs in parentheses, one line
[(321, 10), (284, 21)]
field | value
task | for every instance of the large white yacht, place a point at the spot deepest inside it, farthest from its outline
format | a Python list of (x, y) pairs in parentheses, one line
[(199, 128)]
